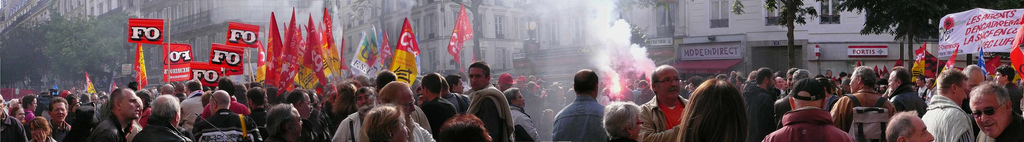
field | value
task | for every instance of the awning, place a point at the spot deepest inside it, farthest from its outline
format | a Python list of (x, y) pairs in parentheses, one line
[(705, 66)]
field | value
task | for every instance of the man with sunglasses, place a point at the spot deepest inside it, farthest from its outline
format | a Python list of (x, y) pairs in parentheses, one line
[(992, 108), (944, 119)]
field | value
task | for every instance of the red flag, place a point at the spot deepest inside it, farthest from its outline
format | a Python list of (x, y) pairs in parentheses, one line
[(879, 72), (313, 58), (206, 73), (1016, 56), (885, 71), (261, 55), (952, 59), (229, 57), (992, 64), (385, 51), (329, 39), (140, 66), (463, 31), (148, 31), (292, 53), (898, 62), (858, 63), (113, 86), (275, 51)]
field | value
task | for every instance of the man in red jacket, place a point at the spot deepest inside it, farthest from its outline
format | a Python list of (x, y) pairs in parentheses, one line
[(807, 122)]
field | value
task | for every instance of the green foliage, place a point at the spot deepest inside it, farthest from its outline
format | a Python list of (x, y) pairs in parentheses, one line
[(77, 44), (790, 10), (914, 18), (21, 53)]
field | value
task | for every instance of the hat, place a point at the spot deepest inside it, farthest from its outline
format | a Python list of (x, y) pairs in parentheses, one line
[(506, 78), (520, 78), (810, 86)]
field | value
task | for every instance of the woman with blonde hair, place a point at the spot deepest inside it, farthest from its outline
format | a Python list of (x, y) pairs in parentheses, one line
[(40, 130), (385, 123), (716, 113)]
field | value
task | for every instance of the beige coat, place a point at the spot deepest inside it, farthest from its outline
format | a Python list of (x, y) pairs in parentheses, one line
[(654, 128)]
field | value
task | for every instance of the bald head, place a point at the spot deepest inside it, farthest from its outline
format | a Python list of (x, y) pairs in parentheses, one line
[(222, 99), (167, 89)]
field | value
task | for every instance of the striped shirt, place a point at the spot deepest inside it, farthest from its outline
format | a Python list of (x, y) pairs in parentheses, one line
[(947, 122)]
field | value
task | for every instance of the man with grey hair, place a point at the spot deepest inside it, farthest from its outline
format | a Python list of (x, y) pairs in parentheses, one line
[(863, 82), (991, 104), (661, 124), (944, 118), (782, 105), (525, 130), (160, 127), (907, 127), (902, 94), (975, 77), (621, 121)]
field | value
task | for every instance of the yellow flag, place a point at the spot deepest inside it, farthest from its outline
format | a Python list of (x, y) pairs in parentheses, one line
[(404, 63)]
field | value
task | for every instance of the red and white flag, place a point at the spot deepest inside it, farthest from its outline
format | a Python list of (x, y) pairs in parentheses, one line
[(463, 31)]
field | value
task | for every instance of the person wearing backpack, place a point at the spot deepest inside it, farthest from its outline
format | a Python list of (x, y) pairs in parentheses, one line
[(944, 119), (807, 98), (865, 113)]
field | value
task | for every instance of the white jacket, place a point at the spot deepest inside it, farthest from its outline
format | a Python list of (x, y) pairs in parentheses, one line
[(521, 119), (947, 122), (348, 130), (420, 134)]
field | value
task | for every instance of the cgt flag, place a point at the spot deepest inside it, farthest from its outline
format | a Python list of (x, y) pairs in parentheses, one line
[(333, 56), (404, 63), (386, 54), (952, 60), (243, 35), (261, 70), (291, 58), (140, 66), (275, 50), (462, 32), (313, 58), (1016, 56)]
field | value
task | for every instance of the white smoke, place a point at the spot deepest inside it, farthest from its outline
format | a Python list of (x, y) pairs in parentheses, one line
[(618, 61)]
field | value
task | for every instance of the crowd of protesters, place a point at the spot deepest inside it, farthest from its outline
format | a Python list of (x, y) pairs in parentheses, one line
[(764, 105)]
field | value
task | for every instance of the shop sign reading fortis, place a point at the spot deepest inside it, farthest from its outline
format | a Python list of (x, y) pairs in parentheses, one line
[(710, 52), (868, 51)]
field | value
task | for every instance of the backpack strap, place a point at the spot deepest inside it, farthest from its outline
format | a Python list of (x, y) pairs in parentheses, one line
[(880, 102), (856, 103), (245, 131), (351, 131)]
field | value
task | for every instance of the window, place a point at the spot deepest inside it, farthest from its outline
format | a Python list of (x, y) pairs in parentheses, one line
[(502, 57), (499, 26), (830, 12), (719, 14), (772, 17)]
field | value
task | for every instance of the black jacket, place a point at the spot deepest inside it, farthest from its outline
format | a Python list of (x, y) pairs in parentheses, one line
[(225, 126), (259, 115), (314, 128), (461, 104), (109, 131), (759, 112), (1013, 132), (1015, 96), (11, 130), (157, 130), (85, 120), (437, 111), (781, 107), (905, 98)]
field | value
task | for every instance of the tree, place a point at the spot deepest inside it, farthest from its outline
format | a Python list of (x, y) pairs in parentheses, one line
[(92, 44), (914, 19), (792, 12), (21, 53)]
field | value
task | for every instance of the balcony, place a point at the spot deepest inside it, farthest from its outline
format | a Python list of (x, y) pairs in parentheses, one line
[(719, 23), (830, 19), (772, 20), (666, 31), (191, 22)]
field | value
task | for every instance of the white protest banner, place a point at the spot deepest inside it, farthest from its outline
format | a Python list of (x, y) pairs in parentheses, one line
[(991, 29)]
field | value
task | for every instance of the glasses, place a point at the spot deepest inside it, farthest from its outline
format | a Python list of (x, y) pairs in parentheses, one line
[(988, 111), (670, 79)]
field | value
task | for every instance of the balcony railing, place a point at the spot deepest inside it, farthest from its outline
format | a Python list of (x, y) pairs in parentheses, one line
[(666, 31), (772, 20), (719, 23), (191, 22), (830, 19)]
